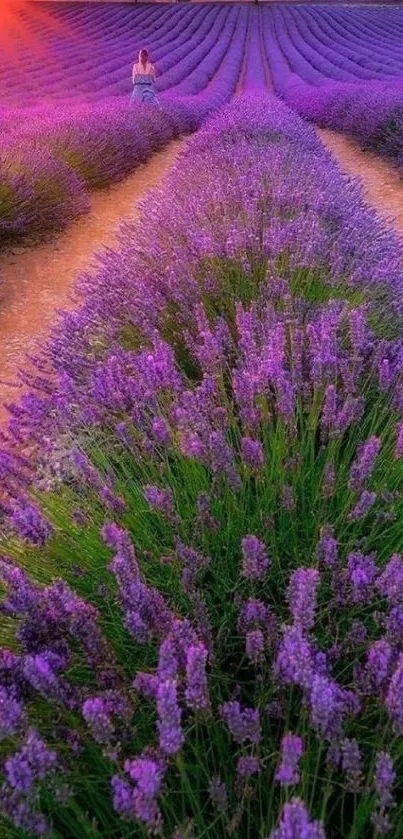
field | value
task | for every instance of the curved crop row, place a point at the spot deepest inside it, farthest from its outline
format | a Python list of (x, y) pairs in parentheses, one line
[(220, 492), (336, 80)]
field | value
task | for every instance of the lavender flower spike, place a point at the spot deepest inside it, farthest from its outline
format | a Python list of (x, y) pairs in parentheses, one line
[(243, 723), (364, 463), (197, 695), (169, 718), (218, 794), (385, 776), (296, 824), (365, 502), (255, 559), (394, 696), (302, 596), (292, 749)]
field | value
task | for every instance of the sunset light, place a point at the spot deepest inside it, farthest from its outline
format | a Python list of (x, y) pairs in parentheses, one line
[(11, 18), (16, 17)]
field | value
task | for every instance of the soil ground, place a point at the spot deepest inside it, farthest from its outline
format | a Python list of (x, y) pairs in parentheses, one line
[(382, 184)]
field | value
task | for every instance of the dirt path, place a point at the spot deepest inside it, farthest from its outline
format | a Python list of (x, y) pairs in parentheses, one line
[(36, 282), (382, 184)]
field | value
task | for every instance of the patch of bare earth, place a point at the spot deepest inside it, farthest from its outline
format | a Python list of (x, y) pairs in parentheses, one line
[(37, 281), (382, 184)]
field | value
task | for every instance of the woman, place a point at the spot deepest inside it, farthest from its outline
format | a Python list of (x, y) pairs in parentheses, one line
[(143, 77)]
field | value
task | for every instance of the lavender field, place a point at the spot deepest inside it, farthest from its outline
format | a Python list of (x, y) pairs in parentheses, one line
[(201, 580), (64, 117)]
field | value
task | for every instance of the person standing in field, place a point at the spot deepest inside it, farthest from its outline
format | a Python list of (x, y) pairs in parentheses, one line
[(143, 77)]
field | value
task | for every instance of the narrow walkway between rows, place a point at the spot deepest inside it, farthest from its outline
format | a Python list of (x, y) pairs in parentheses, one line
[(382, 184), (37, 281)]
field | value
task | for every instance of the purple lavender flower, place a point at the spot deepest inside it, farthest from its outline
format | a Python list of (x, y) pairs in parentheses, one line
[(119, 540), (254, 614), (329, 408), (399, 441), (357, 635), (146, 612), (295, 660), (243, 723), (222, 459), (248, 766), (193, 561), (99, 720), (86, 469), (296, 824), (123, 797), (203, 508), (326, 549), (350, 413), (40, 672), (254, 645), (394, 696), (218, 794), (255, 559), (98, 711), (288, 501), (159, 499), (390, 582), (169, 718), (146, 684), (161, 431), (364, 463), (358, 330), (139, 801), (252, 453), (18, 808), (29, 523), (33, 762), (11, 714), (302, 596), (365, 502), (329, 480), (292, 749), (113, 502), (362, 573), (385, 374), (394, 624), (168, 664), (328, 706), (333, 756), (351, 764), (378, 664), (197, 695), (385, 777)]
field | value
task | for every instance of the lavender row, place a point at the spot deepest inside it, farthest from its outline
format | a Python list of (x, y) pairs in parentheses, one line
[(337, 57), (368, 111), (223, 447)]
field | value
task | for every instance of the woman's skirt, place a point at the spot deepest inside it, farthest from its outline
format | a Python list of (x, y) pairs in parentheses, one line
[(144, 93)]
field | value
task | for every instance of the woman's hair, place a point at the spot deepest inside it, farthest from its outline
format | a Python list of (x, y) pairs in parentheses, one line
[(143, 57)]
